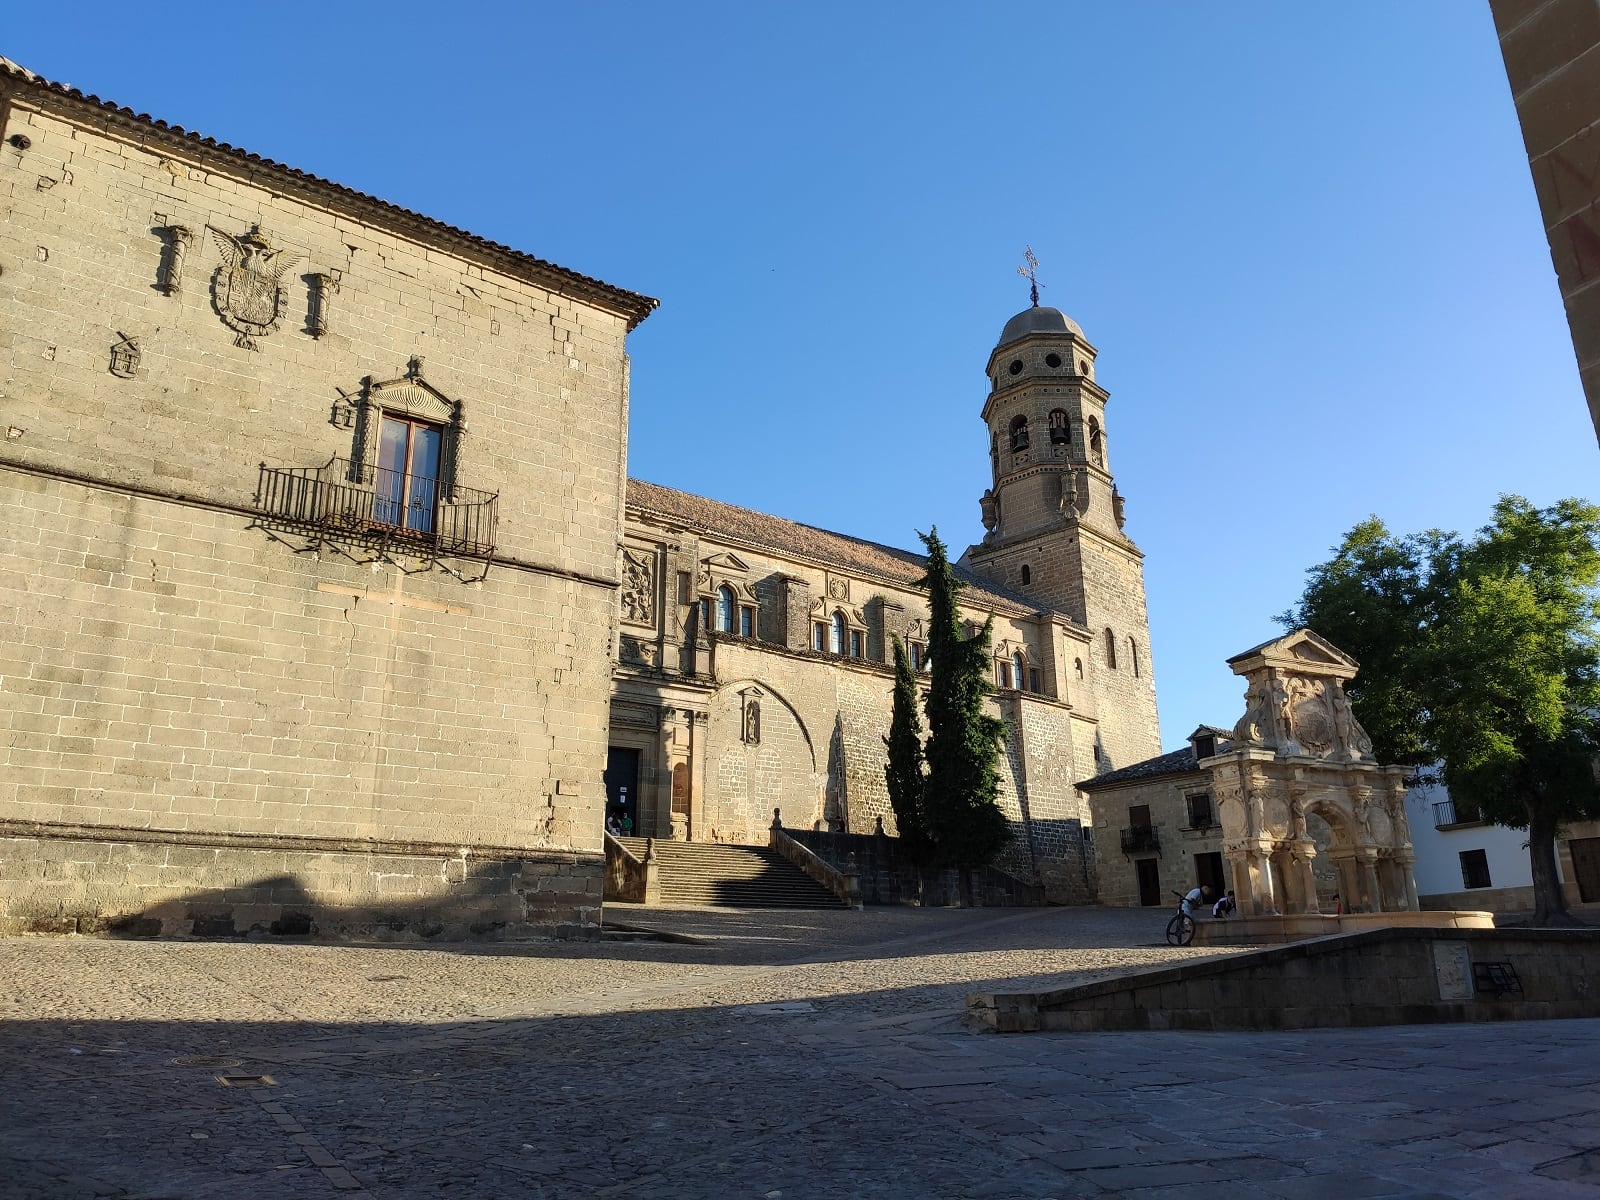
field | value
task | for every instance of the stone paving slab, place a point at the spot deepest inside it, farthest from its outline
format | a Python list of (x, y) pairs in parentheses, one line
[(817, 1055)]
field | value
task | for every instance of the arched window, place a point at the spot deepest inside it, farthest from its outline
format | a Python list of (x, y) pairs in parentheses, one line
[(1111, 649), (836, 634), (725, 608), (1027, 575), (1060, 431), (1077, 665), (1019, 433), (1019, 671), (1133, 656), (1096, 450)]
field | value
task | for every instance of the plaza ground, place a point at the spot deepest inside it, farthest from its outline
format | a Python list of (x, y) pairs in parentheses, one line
[(776, 1055)]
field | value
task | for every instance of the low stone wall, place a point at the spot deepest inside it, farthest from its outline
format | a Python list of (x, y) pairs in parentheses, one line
[(1499, 900), (1297, 927), (886, 878), (1392, 976), (143, 883), (630, 879)]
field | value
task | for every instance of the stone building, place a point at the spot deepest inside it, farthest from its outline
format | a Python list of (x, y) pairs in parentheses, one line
[(754, 652), (1288, 808), (310, 567)]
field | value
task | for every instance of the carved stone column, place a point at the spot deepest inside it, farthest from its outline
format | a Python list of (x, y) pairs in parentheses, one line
[(1404, 861), (172, 254), (1373, 899), (323, 285), (1305, 852)]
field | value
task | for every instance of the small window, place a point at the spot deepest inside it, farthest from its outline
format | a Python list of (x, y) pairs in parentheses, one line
[(725, 608), (1005, 674), (1052, 360), (1133, 656), (1475, 869), (1027, 574), (1199, 810), (1060, 427), (917, 654), (747, 621), (1018, 671), (1139, 816), (819, 636), (857, 644), (836, 634), (1019, 433), (1205, 746), (1033, 680), (1111, 649)]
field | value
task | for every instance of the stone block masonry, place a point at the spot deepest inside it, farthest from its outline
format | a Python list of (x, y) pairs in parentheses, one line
[(214, 722)]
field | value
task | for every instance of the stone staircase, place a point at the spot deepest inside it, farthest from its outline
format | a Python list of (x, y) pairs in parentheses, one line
[(702, 873)]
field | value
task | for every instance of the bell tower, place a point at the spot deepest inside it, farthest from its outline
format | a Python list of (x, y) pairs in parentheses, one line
[(1054, 517)]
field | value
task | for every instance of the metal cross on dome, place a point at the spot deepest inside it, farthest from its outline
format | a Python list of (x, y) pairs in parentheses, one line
[(1030, 271)]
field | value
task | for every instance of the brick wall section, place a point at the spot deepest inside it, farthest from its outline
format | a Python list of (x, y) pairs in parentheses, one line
[(168, 669)]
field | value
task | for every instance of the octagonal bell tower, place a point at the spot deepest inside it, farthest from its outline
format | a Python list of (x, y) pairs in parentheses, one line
[(1054, 517)]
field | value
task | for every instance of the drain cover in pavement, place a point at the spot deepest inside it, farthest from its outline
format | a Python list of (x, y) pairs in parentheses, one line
[(246, 1081), (207, 1060)]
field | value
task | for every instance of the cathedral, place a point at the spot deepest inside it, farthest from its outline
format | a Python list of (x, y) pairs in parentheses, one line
[(754, 664), (329, 606)]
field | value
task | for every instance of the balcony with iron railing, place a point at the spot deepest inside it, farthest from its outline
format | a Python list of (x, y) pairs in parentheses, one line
[(1447, 816), (1140, 839), (371, 505)]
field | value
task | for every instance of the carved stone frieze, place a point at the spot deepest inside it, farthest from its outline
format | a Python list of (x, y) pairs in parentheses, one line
[(638, 651)]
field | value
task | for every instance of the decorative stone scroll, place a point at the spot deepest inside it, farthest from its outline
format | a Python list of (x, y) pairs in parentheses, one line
[(638, 597), (247, 289)]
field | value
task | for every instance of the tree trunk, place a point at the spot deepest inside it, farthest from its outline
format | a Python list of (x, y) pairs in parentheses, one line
[(1549, 905)]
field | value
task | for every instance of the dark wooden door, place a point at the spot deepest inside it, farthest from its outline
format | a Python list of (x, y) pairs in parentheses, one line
[(1149, 870), (622, 787), (1208, 872)]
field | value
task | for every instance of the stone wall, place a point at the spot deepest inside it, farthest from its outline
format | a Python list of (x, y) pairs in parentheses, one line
[(1380, 977), (178, 669)]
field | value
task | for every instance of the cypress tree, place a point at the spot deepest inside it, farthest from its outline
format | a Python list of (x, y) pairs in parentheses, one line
[(961, 812), (903, 772)]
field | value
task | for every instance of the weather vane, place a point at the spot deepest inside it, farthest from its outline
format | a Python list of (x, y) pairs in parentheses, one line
[(1030, 272)]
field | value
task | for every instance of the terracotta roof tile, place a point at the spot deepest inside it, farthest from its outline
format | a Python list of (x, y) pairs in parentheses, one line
[(820, 546)]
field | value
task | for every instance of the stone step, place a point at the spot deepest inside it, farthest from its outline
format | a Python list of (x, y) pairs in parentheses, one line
[(714, 875)]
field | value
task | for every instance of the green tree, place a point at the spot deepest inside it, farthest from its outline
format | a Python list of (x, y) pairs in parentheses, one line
[(960, 796), (903, 772), (1481, 655)]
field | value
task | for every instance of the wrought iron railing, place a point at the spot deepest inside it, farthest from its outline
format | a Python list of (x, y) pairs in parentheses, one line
[(1140, 838), (374, 505), (1446, 813)]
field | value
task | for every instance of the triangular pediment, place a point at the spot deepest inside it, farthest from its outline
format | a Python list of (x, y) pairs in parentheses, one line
[(1303, 649), (724, 561)]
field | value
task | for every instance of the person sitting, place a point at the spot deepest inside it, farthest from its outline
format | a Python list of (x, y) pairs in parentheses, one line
[(614, 829), (1224, 907)]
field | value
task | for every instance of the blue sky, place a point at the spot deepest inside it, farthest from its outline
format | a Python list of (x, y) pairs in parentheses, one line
[(1302, 237)]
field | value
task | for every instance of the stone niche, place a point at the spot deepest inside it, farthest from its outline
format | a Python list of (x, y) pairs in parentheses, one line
[(1299, 756)]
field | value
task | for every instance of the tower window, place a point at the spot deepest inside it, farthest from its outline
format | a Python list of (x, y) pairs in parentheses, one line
[(1016, 367), (1111, 649), (1133, 656), (1027, 575), (1096, 449), (1052, 360), (1060, 429), (1019, 433)]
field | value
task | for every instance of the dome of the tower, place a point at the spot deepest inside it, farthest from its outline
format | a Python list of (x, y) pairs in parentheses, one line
[(1037, 320)]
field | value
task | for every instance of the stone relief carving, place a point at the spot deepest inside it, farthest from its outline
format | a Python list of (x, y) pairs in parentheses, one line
[(175, 246), (247, 289), (638, 651), (1352, 738), (1311, 722), (638, 587), (838, 588), (124, 356)]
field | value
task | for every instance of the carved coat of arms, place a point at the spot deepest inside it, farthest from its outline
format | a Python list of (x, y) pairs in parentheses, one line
[(248, 287)]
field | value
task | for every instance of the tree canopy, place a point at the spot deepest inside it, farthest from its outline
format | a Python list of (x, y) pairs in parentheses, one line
[(1482, 655)]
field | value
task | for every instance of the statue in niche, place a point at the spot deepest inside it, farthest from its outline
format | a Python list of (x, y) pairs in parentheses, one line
[(248, 287), (638, 588), (752, 722)]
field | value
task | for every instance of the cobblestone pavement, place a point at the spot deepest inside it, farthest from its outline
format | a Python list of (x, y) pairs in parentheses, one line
[(780, 1055)]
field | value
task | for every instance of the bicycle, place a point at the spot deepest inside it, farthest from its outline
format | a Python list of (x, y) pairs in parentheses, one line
[(1180, 930)]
